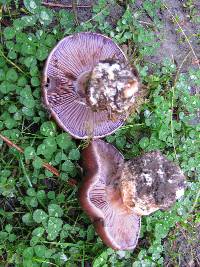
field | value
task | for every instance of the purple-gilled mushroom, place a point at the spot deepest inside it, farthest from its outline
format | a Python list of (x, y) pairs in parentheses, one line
[(88, 85), (99, 195), (115, 193)]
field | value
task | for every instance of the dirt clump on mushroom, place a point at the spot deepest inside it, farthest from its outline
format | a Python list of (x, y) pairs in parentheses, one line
[(113, 86), (151, 182)]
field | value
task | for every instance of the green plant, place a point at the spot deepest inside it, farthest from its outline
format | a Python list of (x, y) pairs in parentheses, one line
[(132, 29)]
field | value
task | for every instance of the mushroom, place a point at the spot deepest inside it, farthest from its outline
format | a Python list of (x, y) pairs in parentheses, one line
[(88, 85), (99, 195), (115, 193)]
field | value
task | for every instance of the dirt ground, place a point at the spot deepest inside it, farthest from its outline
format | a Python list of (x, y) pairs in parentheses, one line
[(172, 44), (170, 38), (184, 250)]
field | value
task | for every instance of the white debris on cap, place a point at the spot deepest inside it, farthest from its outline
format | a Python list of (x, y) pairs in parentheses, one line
[(112, 86)]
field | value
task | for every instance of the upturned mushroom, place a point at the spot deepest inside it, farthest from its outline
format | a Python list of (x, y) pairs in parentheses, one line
[(100, 197), (88, 85), (115, 193)]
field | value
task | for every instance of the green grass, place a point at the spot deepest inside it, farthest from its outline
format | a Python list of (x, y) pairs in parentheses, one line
[(41, 222)]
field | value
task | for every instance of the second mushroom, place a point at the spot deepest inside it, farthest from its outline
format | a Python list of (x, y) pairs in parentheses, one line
[(115, 193)]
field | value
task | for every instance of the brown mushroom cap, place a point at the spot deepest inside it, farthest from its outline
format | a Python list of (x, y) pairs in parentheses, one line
[(66, 74), (100, 197)]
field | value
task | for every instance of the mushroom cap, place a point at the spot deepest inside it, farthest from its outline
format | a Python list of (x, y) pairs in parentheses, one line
[(66, 68), (99, 196)]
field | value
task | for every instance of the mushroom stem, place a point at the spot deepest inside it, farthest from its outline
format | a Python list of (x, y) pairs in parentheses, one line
[(83, 83), (113, 194)]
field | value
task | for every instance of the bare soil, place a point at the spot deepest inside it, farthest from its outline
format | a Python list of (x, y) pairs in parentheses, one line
[(172, 43), (184, 249)]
